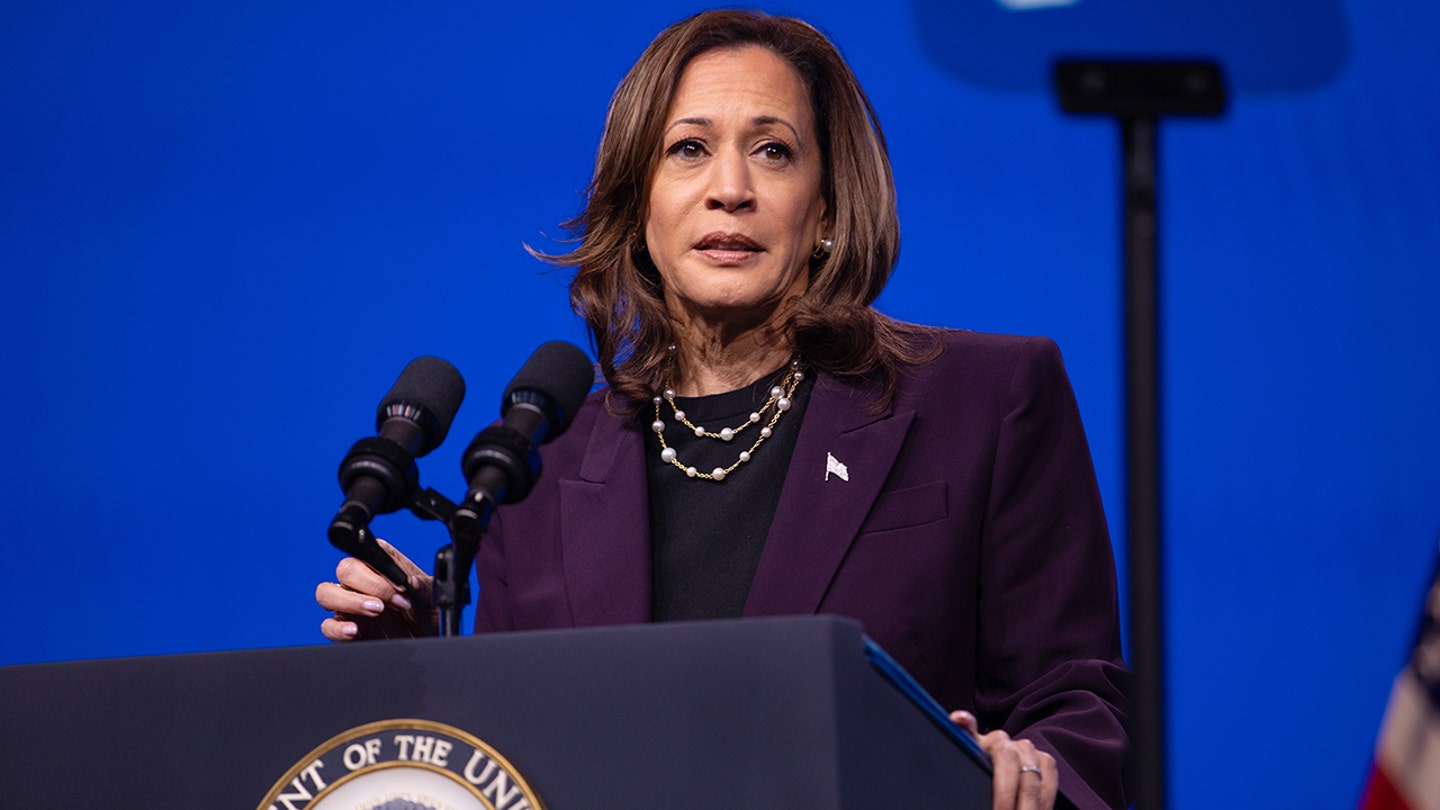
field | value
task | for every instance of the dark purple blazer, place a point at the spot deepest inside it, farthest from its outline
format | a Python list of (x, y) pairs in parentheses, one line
[(969, 540)]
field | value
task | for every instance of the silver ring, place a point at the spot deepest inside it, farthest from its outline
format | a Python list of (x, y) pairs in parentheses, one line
[(1031, 769)]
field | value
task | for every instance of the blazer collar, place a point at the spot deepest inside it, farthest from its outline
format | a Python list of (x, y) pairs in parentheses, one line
[(605, 528), (842, 457)]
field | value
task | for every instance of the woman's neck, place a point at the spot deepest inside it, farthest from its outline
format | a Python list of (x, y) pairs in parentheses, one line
[(712, 361)]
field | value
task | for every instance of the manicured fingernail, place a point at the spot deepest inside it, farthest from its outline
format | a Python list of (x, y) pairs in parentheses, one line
[(399, 601), (373, 605), (349, 630)]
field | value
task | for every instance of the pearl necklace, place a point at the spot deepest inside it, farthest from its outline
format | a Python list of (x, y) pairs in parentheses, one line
[(781, 398)]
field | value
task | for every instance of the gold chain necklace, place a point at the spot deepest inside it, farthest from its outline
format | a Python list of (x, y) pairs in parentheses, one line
[(781, 399)]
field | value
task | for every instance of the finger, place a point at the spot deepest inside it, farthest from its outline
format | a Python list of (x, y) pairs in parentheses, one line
[(338, 630), (421, 583), (966, 720), (336, 598), (1051, 776), (1031, 780), (357, 576), (406, 564), (1006, 763), (422, 586)]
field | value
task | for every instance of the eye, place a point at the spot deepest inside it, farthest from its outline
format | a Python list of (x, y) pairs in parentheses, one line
[(777, 152), (688, 149)]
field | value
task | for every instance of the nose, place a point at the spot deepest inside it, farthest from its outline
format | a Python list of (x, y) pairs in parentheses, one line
[(730, 186)]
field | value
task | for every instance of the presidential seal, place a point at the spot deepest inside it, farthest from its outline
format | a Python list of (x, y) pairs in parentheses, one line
[(402, 765)]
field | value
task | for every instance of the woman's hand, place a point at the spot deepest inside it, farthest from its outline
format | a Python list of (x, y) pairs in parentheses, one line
[(1025, 777), (367, 605)]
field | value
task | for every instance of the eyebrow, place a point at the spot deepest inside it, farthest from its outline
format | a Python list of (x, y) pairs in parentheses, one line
[(759, 121)]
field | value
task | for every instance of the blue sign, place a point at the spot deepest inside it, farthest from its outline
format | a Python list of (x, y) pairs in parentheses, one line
[(1262, 45)]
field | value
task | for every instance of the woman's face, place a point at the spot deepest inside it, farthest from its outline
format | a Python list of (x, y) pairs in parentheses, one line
[(735, 206)]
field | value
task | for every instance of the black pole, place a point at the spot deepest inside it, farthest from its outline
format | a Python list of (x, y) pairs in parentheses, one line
[(1142, 459), (1138, 94)]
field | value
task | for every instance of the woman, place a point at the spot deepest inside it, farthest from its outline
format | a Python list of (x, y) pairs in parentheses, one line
[(770, 444)]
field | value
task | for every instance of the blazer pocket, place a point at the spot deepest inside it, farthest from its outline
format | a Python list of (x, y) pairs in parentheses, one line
[(903, 508)]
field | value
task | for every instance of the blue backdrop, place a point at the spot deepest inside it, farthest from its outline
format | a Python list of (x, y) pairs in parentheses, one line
[(225, 228)]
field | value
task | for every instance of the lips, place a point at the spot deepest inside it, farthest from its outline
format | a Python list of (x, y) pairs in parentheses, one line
[(728, 243)]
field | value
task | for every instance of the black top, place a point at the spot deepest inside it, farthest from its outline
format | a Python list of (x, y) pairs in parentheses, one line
[(706, 536)]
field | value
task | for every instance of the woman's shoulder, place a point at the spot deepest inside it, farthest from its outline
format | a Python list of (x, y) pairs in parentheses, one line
[(992, 342), (984, 365), (963, 348)]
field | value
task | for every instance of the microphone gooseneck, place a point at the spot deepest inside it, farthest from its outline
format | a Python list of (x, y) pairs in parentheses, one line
[(378, 475), (502, 462)]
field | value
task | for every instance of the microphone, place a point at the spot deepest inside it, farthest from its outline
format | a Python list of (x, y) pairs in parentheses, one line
[(378, 475), (501, 464)]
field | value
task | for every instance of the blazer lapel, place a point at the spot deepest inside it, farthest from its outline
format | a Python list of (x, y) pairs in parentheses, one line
[(605, 528), (820, 511)]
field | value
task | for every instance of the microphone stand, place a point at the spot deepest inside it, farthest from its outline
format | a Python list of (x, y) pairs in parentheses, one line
[(450, 591), (454, 561)]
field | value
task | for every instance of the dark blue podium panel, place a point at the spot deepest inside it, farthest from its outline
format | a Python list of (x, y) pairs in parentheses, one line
[(784, 712)]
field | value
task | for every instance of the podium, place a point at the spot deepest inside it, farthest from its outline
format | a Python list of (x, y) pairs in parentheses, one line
[(780, 712)]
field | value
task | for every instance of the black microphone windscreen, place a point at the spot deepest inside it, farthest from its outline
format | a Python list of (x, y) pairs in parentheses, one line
[(430, 391), (562, 375)]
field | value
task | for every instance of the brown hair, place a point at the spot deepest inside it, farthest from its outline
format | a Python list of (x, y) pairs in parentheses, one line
[(617, 289)]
